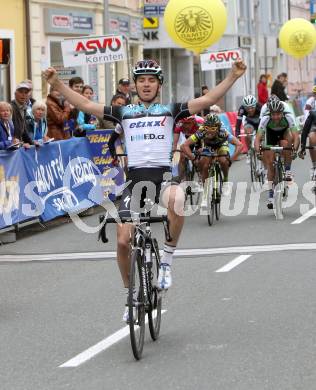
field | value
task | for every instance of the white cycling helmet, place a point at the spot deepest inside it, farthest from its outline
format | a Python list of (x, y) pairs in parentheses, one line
[(148, 67), (249, 101), (276, 106)]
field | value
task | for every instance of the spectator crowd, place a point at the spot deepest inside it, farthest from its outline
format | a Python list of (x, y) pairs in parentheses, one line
[(25, 121)]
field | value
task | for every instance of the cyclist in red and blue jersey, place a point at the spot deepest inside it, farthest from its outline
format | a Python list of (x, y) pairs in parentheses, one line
[(187, 126), (148, 130)]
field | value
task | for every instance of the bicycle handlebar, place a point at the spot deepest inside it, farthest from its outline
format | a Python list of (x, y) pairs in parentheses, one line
[(276, 148), (245, 135), (210, 155), (141, 219), (310, 147)]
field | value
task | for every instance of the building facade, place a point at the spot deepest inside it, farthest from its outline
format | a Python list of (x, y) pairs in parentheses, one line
[(302, 73), (251, 24), (52, 21), (13, 47)]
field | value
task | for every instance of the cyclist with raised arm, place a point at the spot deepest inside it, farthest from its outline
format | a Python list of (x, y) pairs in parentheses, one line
[(186, 126), (249, 111), (276, 129), (309, 130), (215, 139), (148, 130)]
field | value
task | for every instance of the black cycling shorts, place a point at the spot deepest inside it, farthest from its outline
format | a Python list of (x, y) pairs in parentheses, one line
[(145, 183), (273, 137)]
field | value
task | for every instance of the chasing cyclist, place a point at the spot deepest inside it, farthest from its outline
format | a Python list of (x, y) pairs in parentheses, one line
[(215, 139), (187, 126), (249, 111), (310, 103), (309, 130), (148, 130), (276, 129)]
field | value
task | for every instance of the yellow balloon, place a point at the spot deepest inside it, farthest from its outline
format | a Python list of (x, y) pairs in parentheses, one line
[(195, 24), (298, 37)]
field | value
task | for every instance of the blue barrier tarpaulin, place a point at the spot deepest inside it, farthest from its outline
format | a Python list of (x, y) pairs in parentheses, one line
[(13, 180)]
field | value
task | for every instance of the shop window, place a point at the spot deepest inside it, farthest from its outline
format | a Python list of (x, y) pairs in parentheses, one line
[(5, 69)]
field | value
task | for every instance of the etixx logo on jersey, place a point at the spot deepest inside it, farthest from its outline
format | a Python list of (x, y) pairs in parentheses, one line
[(148, 123)]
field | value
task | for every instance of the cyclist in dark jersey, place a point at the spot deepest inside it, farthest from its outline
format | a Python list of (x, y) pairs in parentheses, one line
[(249, 111), (276, 129), (148, 128), (309, 130), (214, 138)]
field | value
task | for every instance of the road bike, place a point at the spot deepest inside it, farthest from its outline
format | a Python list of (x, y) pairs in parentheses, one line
[(144, 297), (280, 186), (191, 175), (213, 187)]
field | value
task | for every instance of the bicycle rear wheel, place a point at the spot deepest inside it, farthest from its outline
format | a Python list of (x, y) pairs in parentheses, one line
[(136, 308), (253, 166), (154, 312)]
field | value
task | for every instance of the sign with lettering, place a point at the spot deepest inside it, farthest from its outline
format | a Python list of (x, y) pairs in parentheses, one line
[(219, 60), (93, 50), (61, 21)]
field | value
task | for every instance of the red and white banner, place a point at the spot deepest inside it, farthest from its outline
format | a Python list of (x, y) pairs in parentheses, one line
[(219, 59), (93, 50)]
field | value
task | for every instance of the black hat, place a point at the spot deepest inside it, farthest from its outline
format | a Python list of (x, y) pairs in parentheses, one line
[(124, 81)]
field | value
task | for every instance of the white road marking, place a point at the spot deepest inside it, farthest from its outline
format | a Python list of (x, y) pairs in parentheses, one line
[(305, 216), (309, 246), (234, 263), (101, 346)]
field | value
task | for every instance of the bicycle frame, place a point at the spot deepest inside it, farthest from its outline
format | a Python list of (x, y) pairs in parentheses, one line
[(214, 182)]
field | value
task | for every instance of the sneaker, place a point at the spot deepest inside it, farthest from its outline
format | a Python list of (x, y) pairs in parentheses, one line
[(289, 176), (164, 278), (270, 203), (226, 190), (247, 159)]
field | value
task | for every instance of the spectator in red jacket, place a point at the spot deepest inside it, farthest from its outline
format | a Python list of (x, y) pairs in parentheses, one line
[(262, 90)]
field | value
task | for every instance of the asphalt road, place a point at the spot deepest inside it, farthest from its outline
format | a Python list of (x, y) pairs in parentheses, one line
[(240, 314)]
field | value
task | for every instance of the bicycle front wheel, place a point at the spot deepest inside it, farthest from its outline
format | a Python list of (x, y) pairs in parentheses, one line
[(210, 203), (278, 191), (218, 192), (136, 303), (154, 312)]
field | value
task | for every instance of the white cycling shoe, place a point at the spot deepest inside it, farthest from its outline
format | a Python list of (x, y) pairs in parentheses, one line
[(164, 277)]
